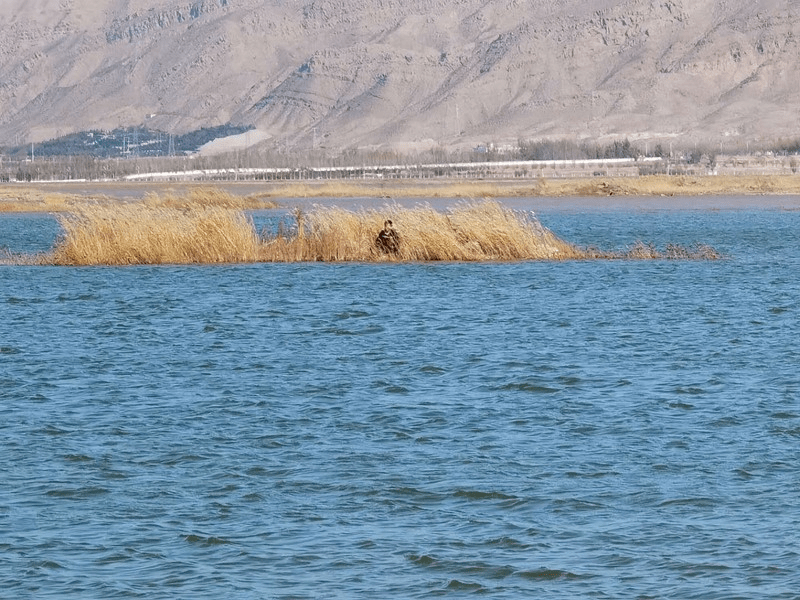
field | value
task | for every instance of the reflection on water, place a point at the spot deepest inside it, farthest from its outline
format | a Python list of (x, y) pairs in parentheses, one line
[(579, 429)]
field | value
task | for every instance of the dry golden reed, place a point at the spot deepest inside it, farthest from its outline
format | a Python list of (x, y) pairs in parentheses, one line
[(645, 185), (403, 188), (470, 231), (207, 197), (18, 199), (140, 233), (673, 185), (144, 233), (127, 234)]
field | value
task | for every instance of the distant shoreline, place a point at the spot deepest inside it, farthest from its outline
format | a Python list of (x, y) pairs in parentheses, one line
[(658, 189)]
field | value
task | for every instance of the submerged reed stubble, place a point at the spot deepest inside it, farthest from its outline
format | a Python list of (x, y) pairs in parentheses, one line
[(152, 233)]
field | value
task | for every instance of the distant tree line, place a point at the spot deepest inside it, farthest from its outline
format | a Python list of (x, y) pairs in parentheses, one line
[(570, 150), (114, 155)]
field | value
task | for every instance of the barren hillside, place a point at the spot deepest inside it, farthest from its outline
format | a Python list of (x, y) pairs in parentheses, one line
[(343, 73)]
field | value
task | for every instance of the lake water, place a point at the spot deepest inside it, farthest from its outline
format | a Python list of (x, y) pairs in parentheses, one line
[(589, 429)]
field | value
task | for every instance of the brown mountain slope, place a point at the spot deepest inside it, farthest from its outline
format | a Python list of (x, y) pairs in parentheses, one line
[(343, 73)]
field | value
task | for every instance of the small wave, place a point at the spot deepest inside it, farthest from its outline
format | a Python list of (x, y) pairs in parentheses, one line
[(784, 415), (681, 405), (111, 559), (787, 431), (573, 504), (544, 574), (76, 297), (691, 390), (416, 494), (337, 331), (591, 474), (373, 329), (174, 460), (47, 564), (391, 388), (701, 502), (397, 389), (508, 542), (422, 560), (479, 495), (463, 586), (206, 541), (23, 301), (53, 430), (778, 310), (470, 568), (726, 422), (78, 494), (530, 388), (78, 458), (352, 314)]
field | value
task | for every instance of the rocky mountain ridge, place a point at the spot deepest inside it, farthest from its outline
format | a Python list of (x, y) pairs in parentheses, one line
[(405, 74)]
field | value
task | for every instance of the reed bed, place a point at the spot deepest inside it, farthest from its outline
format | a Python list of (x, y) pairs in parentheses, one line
[(141, 233), (674, 185), (127, 234), (471, 231), (645, 185), (204, 197), (445, 188), (15, 199)]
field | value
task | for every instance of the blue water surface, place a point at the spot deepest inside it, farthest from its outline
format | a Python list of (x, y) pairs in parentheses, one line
[(585, 429)]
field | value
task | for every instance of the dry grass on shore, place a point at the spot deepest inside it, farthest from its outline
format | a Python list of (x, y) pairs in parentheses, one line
[(676, 185), (208, 197), (140, 233), (650, 185), (32, 199), (399, 188)]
